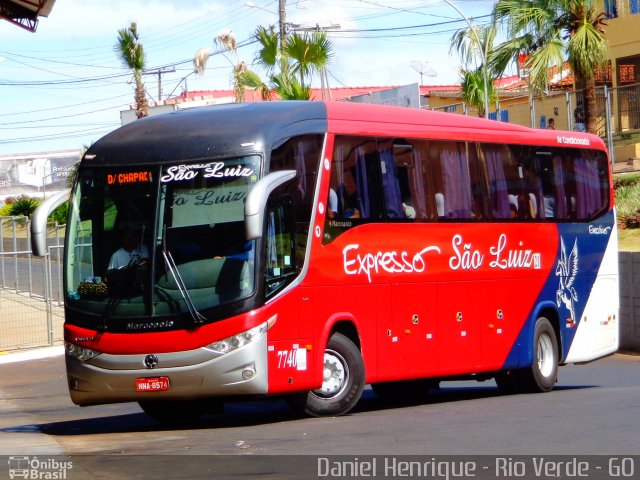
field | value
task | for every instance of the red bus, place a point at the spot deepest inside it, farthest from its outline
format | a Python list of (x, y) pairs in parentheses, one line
[(308, 249)]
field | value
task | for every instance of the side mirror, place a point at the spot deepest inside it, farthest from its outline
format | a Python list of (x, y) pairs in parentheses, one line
[(39, 221), (254, 207)]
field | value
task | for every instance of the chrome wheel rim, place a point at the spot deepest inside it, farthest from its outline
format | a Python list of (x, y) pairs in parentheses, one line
[(545, 355), (335, 375)]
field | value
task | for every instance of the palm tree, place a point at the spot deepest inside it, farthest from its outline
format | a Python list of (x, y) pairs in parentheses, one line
[(475, 48), (290, 69), (132, 56), (472, 86), (309, 53), (550, 32)]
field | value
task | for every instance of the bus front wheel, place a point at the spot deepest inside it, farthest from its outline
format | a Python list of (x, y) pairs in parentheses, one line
[(342, 381), (543, 372)]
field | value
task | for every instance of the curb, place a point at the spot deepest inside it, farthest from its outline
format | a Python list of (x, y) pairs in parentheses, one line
[(32, 354)]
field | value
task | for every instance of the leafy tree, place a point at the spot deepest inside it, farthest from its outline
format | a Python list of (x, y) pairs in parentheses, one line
[(132, 55), (550, 32), (475, 47), (23, 206), (60, 214), (308, 54), (289, 69), (472, 86)]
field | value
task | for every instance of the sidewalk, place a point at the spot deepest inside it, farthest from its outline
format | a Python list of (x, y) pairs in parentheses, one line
[(24, 322)]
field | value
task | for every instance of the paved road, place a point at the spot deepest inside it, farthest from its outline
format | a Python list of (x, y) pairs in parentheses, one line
[(594, 410)]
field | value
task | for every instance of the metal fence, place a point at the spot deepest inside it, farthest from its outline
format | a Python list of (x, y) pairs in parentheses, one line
[(618, 117), (31, 297)]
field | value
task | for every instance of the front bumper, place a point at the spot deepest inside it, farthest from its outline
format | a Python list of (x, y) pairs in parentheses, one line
[(198, 373)]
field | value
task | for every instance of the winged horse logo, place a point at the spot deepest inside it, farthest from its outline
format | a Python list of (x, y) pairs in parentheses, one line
[(567, 271)]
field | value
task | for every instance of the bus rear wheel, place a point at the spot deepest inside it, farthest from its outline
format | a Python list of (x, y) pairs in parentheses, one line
[(342, 383), (541, 376)]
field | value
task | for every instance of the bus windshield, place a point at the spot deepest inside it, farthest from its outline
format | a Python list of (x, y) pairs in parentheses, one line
[(160, 240)]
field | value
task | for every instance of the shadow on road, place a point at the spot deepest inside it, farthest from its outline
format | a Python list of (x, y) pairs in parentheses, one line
[(252, 413)]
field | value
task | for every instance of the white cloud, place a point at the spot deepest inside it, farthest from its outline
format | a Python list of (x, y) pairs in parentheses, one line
[(78, 18)]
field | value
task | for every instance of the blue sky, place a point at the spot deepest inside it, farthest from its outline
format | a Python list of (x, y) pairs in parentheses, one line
[(64, 86)]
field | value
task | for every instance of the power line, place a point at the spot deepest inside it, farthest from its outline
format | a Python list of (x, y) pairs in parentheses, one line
[(64, 116)]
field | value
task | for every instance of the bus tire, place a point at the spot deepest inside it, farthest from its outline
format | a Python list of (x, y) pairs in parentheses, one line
[(541, 376), (343, 381)]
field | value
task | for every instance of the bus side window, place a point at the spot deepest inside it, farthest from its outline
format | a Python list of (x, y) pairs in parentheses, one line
[(399, 184), (412, 189), (545, 172), (353, 190), (450, 167), (393, 197), (505, 175), (280, 262), (591, 184)]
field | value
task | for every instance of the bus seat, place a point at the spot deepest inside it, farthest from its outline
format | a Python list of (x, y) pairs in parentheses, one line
[(233, 275), (549, 207), (440, 204), (196, 274), (533, 205)]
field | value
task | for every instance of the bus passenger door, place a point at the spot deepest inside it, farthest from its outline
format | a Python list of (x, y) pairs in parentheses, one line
[(407, 340)]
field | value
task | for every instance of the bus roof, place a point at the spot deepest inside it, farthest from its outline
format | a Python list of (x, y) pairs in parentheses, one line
[(346, 117), (208, 132), (223, 130)]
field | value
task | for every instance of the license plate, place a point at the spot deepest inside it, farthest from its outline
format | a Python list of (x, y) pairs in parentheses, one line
[(152, 384)]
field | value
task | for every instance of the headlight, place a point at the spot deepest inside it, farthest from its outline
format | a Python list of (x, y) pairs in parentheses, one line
[(241, 339), (81, 353)]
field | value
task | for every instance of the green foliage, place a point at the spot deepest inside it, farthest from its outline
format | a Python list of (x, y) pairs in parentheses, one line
[(626, 179), (73, 173), (627, 194), (477, 53), (23, 206), (5, 209), (550, 32), (60, 214), (131, 53), (473, 89), (130, 49), (290, 68)]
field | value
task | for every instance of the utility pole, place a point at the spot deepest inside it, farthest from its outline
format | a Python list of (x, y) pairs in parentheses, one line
[(282, 19), (160, 72)]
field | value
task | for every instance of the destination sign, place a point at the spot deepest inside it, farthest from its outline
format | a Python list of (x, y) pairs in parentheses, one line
[(129, 177)]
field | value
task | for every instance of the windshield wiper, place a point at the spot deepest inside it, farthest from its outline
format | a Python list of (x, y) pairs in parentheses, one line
[(197, 317), (132, 269)]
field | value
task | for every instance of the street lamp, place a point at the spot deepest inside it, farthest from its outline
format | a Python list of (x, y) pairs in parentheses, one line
[(483, 53)]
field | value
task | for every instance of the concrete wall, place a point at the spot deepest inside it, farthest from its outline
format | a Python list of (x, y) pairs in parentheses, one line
[(630, 301)]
